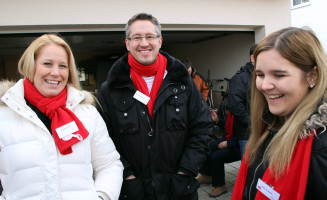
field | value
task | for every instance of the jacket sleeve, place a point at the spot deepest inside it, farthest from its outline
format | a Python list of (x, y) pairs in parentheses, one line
[(107, 167), (199, 133), (237, 99)]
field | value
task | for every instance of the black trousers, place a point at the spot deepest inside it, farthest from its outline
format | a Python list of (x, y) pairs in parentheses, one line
[(214, 165)]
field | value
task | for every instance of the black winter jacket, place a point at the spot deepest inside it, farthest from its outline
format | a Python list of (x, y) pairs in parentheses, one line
[(317, 177), (239, 98), (154, 150)]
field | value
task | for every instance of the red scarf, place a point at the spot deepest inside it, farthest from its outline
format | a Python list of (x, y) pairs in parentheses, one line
[(158, 69), (55, 109), (229, 125), (291, 185)]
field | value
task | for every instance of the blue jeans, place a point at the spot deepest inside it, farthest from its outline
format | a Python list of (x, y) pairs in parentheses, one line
[(242, 147)]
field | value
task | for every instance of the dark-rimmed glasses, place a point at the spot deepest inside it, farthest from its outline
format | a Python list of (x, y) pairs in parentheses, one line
[(147, 38)]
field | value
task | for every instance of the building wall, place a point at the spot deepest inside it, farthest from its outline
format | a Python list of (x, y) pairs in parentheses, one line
[(313, 15), (222, 56), (36, 15)]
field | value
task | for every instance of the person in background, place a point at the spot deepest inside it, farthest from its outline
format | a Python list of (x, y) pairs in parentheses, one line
[(286, 155), (223, 150), (197, 78), (156, 117), (239, 98), (53, 142)]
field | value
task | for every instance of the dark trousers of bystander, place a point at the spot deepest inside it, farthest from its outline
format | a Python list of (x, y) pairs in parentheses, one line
[(214, 165)]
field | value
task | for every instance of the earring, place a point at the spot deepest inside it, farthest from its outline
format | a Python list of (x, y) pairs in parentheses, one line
[(312, 85)]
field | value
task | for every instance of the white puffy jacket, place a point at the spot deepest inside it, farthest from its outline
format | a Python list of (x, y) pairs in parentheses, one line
[(31, 167)]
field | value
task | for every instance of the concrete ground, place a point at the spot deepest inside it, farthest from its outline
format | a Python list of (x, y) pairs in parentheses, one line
[(231, 171)]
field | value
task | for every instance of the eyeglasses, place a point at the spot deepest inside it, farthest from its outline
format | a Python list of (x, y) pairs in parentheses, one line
[(147, 38)]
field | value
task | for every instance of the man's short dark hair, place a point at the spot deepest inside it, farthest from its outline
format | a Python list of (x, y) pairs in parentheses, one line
[(252, 48), (187, 62), (142, 16)]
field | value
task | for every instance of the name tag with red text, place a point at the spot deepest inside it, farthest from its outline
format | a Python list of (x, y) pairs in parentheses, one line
[(268, 191), (66, 129)]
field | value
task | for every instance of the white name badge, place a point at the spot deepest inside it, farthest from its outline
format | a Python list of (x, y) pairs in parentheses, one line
[(67, 129), (268, 191), (141, 97)]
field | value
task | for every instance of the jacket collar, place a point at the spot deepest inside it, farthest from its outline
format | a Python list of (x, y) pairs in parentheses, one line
[(12, 92), (249, 67), (119, 74), (318, 120)]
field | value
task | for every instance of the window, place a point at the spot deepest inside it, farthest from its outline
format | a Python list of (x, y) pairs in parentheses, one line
[(300, 3)]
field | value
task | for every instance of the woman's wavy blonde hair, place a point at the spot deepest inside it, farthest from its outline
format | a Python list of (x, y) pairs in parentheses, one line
[(301, 47), (26, 64)]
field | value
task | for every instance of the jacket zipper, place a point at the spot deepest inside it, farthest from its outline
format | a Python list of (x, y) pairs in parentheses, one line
[(148, 120), (254, 179)]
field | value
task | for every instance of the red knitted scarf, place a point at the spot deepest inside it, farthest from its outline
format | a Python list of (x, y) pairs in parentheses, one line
[(55, 109), (291, 185), (158, 69)]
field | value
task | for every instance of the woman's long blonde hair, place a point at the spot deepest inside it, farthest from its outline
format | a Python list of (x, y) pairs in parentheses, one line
[(301, 47), (26, 64)]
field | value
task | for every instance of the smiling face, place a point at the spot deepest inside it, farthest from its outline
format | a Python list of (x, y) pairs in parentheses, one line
[(282, 83), (51, 70), (144, 52)]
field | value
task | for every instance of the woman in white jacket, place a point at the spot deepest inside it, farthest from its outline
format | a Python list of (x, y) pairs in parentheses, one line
[(54, 144)]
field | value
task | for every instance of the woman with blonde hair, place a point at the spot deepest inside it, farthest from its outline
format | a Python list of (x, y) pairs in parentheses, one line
[(286, 156), (54, 145)]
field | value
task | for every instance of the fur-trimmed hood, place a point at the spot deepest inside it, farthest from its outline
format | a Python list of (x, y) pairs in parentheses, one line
[(5, 85), (317, 120)]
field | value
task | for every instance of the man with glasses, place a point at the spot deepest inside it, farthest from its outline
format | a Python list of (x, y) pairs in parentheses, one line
[(156, 116)]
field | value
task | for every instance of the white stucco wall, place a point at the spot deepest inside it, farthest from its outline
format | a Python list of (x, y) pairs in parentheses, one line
[(33, 15), (313, 15)]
